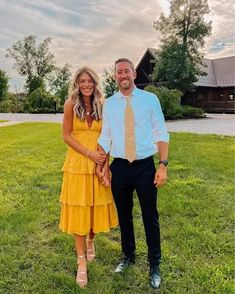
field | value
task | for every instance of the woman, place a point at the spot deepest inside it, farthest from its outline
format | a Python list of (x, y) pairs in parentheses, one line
[(87, 205)]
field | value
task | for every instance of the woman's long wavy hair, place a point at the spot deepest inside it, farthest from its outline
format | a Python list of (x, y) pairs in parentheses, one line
[(97, 97)]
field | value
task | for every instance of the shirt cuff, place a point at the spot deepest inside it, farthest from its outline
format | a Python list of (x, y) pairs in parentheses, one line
[(105, 145), (162, 138)]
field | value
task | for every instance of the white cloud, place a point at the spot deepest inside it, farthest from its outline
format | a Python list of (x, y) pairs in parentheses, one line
[(222, 41), (98, 32)]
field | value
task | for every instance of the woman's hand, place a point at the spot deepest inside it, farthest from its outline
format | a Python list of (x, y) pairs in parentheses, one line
[(97, 156)]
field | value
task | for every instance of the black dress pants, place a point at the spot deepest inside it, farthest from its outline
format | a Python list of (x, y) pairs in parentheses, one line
[(139, 176)]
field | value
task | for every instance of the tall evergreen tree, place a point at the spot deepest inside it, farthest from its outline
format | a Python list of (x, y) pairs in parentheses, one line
[(183, 33)]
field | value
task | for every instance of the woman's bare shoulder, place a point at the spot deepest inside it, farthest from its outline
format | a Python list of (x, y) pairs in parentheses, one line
[(68, 105)]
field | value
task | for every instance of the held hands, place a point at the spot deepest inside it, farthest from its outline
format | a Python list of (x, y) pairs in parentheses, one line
[(103, 175), (160, 176), (97, 156)]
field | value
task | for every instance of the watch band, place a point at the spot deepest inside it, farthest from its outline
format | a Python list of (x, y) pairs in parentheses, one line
[(165, 162)]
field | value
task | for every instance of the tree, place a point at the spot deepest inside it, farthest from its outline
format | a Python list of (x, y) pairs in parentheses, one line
[(32, 60), (40, 101), (60, 81), (109, 83), (3, 84), (179, 59), (35, 83)]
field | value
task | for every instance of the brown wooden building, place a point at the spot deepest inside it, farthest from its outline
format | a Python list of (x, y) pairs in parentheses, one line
[(214, 92)]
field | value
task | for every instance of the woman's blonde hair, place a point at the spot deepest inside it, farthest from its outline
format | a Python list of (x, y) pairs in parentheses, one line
[(75, 94)]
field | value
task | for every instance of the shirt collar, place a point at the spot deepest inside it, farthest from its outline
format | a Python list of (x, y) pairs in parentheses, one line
[(133, 93)]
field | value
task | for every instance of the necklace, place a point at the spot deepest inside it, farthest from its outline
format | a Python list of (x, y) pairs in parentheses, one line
[(87, 112)]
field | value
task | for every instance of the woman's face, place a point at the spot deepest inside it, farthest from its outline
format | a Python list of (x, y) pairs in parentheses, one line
[(86, 85)]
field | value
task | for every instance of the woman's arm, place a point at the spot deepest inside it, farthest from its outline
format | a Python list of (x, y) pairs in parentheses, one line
[(96, 156)]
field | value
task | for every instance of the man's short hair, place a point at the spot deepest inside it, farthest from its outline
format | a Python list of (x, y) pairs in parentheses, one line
[(125, 60)]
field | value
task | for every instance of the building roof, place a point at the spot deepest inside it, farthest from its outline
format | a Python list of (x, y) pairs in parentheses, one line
[(220, 73), (151, 51)]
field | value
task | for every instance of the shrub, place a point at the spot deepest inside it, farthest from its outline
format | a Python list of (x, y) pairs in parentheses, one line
[(191, 112), (40, 101), (11, 104), (60, 109), (170, 102), (6, 106), (169, 99)]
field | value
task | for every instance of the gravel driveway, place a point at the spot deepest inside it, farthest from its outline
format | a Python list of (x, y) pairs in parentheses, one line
[(220, 124)]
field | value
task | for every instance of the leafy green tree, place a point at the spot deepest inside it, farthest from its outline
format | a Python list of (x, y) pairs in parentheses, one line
[(183, 32), (109, 83), (40, 101), (3, 84), (32, 60), (60, 81), (35, 83)]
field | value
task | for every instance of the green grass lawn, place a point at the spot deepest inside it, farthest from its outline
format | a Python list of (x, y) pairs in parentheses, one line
[(1, 120), (196, 214)]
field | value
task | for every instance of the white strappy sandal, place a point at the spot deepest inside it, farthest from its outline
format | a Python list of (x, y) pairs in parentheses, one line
[(81, 278), (90, 253)]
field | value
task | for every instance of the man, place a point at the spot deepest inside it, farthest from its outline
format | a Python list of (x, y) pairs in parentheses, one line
[(133, 131)]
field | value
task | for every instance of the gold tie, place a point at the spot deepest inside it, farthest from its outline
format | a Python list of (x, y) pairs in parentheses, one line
[(130, 150)]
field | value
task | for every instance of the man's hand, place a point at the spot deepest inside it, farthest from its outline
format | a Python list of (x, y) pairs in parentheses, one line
[(107, 173), (103, 175), (160, 176)]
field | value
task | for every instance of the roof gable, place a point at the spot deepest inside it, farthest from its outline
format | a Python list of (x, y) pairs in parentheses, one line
[(219, 72)]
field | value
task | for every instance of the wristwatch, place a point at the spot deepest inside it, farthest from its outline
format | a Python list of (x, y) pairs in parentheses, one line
[(165, 162)]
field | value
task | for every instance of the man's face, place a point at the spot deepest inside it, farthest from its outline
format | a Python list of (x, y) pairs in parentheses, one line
[(124, 75)]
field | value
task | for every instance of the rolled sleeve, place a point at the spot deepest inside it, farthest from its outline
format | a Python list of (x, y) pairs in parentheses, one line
[(160, 132), (105, 135)]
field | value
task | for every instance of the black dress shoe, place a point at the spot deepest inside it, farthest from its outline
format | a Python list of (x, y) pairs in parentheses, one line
[(127, 261), (155, 278)]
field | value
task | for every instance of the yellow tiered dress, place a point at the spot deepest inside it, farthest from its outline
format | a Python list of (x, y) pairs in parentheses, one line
[(86, 204)]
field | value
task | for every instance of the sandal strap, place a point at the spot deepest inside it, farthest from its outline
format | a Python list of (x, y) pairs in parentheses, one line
[(80, 257)]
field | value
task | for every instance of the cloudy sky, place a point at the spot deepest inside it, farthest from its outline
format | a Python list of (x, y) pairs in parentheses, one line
[(97, 32)]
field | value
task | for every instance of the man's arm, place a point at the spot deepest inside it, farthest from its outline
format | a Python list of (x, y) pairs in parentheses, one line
[(104, 143), (104, 140), (161, 173), (161, 138)]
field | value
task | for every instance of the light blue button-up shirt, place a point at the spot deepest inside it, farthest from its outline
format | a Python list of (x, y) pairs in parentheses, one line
[(150, 125)]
